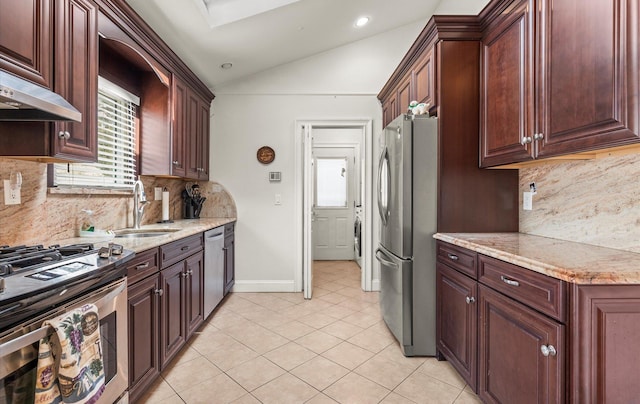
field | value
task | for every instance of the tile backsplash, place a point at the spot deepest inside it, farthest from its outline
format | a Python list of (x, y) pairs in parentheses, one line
[(51, 215), (590, 201)]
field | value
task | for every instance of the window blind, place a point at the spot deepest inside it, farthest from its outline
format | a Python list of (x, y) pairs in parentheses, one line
[(116, 165)]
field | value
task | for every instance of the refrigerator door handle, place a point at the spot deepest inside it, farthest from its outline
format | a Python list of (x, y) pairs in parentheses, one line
[(383, 208), (379, 254)]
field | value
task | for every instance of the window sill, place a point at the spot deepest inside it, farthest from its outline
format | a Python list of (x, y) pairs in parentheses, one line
[(87, 191)]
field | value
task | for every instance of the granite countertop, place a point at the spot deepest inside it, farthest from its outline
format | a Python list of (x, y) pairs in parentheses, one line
[(185, 228), (570, 261)]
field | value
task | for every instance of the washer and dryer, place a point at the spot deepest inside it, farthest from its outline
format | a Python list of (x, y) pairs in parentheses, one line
[(357, 229)]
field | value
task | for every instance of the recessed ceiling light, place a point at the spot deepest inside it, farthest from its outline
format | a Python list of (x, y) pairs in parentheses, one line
[(226, 66), (362, 21)]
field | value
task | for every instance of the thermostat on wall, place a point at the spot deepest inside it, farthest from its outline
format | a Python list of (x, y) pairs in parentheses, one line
[(274, 176)]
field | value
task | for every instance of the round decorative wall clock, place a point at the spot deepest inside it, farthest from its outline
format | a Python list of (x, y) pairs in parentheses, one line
[(266, 155)]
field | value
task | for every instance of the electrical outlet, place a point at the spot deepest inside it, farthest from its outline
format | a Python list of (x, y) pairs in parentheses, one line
[(157, 193), (527, 201), (11, 196)]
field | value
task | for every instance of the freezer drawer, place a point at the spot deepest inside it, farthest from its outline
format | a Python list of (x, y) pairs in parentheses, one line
[(396, 295)]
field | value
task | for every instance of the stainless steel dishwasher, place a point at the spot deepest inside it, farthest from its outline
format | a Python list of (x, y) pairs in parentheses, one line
[(213, 269)]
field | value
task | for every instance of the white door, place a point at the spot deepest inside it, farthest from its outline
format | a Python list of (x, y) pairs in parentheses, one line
[(307, 207), (334, 208)]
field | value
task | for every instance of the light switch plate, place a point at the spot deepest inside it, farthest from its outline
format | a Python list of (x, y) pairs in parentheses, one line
[(278, 200), (11, 196), (157, 193), (527, 201)]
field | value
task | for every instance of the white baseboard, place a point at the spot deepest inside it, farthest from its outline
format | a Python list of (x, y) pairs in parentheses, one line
[(264, 286), (375, 285)]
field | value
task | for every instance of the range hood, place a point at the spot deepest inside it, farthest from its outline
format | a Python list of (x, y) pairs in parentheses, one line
[(21, 100)]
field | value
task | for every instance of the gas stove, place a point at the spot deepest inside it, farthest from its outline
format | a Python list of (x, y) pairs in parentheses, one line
[(35, 278)]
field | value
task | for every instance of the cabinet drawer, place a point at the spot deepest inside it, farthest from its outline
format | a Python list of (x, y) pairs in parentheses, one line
[(143, 265), (180, 249), (538, 291), (459, 258)]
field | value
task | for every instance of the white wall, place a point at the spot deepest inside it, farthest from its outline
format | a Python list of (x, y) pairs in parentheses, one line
[(469, 7), (266, 242)]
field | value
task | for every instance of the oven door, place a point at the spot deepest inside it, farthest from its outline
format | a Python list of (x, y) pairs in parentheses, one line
[(19, 348)]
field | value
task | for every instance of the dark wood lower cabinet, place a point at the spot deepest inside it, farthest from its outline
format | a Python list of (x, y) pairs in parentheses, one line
[(172, 335), (521, 352), (194, 293), (605, 352), (457, 321), (144, 316)]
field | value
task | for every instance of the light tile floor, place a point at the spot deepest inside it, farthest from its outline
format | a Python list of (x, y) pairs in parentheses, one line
[(280, 348)]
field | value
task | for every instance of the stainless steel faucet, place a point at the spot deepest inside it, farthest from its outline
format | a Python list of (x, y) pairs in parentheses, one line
[(139, 203)]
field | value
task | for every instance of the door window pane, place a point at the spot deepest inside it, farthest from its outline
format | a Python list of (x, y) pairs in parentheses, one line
[(331, 182)]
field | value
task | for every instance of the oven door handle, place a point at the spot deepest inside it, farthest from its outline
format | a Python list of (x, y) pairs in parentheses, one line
[(22, 341)]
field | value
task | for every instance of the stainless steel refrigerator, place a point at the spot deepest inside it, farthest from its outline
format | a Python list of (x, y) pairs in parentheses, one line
[(407, 198)]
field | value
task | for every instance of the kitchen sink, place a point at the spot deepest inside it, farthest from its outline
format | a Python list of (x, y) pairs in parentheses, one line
[(140, 233)]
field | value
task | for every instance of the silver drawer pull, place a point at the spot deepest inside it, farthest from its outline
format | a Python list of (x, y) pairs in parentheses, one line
[(185, 248), (548, 350), (453, 257), (142, 266), (470, 299), (509, 281)]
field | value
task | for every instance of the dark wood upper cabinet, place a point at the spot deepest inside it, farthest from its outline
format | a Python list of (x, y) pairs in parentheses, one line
[(76, 78), (424, 78), (179, 121), (26, 39), (67, 65), (506, 118), (559, 79), (589, 76)]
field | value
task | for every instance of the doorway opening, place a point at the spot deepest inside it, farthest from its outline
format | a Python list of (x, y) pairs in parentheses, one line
[(334, 195)]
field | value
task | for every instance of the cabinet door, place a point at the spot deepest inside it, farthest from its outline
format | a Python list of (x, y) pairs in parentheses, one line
[(229, 261), (590, 80), (389, 109), (604, 348), (144, 316), (179, 97), (506, 105), (405, 95), (194, 294), (192, 135), (457, 321), (424, 78), (513, 367), (26, 39), (76, 78), (203, 139), (172, 336)]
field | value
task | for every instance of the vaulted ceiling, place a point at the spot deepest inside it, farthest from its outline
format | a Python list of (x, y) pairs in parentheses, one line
[(255, 35)]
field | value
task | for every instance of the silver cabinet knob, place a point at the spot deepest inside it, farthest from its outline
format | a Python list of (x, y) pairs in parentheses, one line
[(526, 140), (159, 292), (64, 135), (538, 136), (175, 162), (548, 350), (470, 299)]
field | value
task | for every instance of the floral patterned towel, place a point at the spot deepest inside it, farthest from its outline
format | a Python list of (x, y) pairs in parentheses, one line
[(70, 368)]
